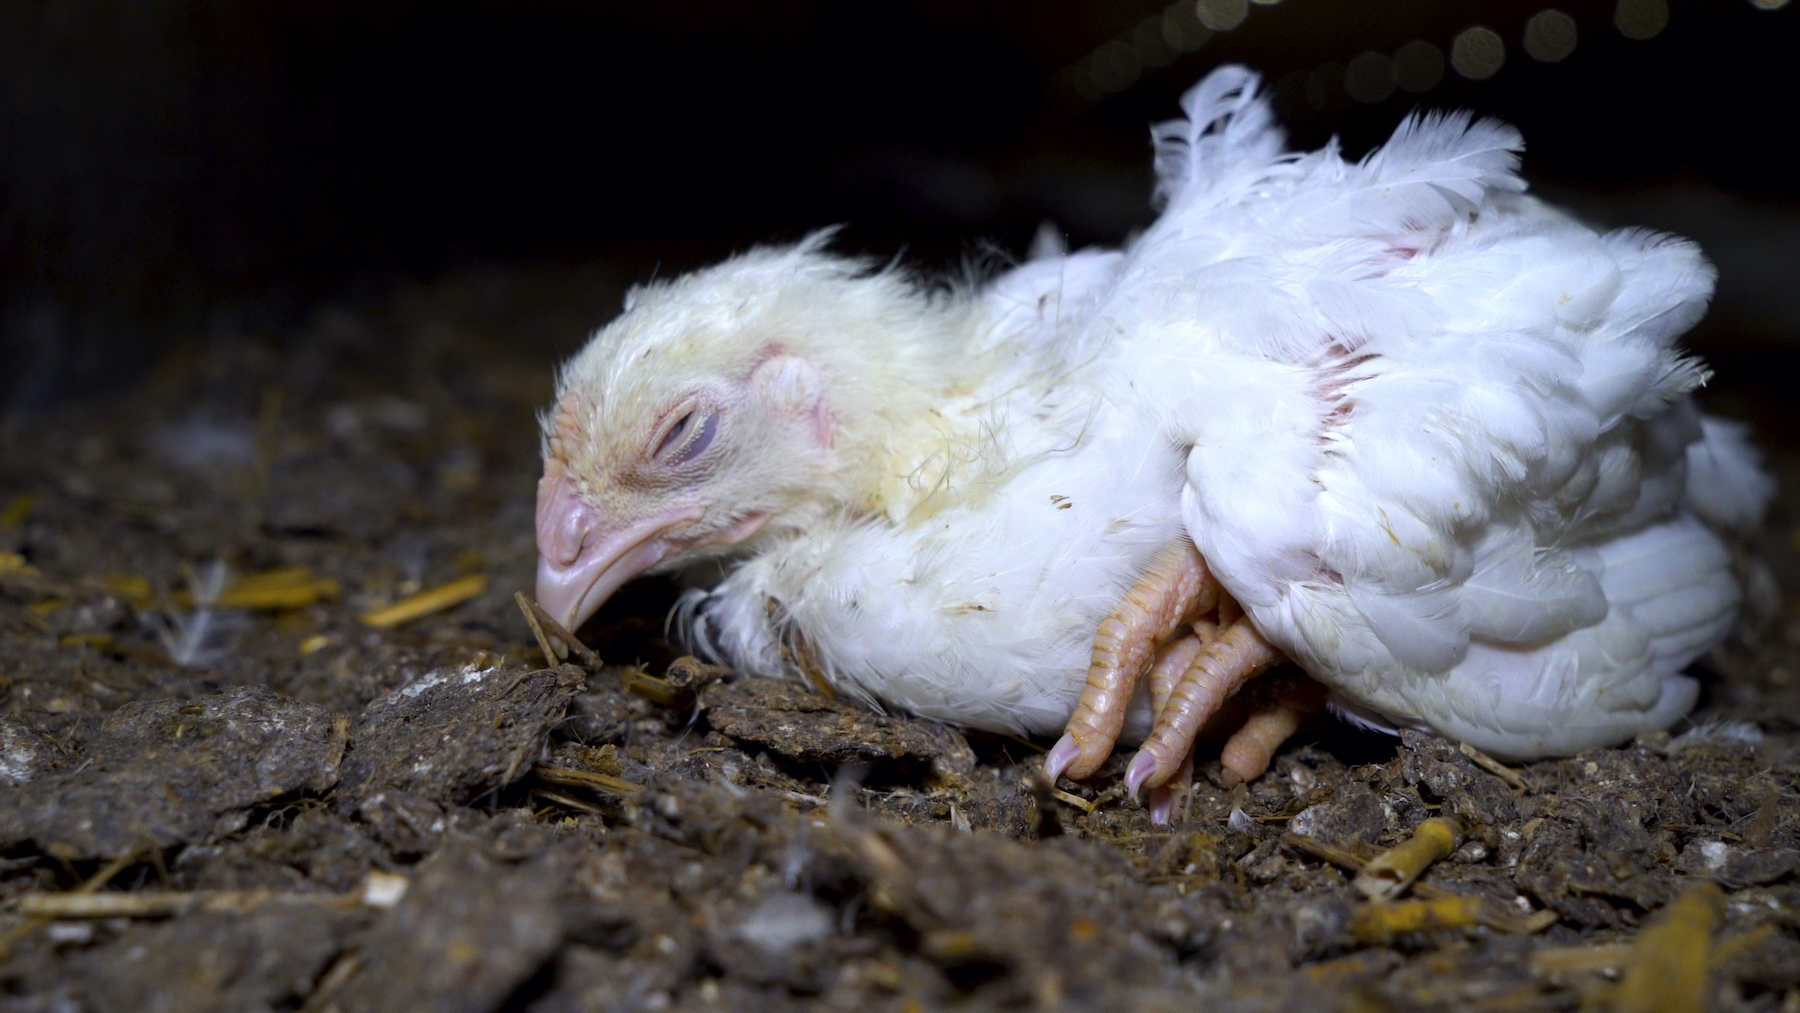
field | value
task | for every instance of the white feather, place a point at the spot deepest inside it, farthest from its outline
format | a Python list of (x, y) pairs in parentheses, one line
[(1434, 435)]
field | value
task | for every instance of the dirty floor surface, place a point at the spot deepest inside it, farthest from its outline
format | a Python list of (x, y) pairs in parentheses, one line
[(244, 766)]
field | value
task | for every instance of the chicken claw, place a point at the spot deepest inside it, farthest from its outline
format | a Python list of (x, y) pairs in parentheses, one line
[(1238, 655), (1175, 587)]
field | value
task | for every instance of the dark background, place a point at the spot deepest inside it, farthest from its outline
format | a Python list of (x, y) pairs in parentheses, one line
[(168, 164)]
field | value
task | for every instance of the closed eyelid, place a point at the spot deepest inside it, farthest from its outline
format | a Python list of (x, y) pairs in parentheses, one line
[(688, 438), (676, 434), (699, 441)]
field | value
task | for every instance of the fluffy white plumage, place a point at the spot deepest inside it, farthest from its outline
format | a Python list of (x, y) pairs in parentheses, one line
[(1432, 434)]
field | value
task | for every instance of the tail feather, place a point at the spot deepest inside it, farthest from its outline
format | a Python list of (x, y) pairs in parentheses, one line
[(1725, 481)]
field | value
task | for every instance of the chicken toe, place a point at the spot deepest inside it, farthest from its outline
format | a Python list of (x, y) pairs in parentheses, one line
[(1173, 589), (1217, 671), (1250, 749), (1169, 802)]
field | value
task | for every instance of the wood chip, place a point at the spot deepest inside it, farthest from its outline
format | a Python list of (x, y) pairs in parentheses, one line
[(691, 673), (1388, 874), (1375, 923), (427, 602)]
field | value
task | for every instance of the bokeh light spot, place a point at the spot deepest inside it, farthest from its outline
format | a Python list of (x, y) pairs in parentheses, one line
[(1114, 66), (1478, 53), (1079, 80), (1181, 28), (1641, 19), (1222, 15), (1370, 77), (1768, 5), (1550, 36), (1418, 66), (1325, 88), (1148, 43)]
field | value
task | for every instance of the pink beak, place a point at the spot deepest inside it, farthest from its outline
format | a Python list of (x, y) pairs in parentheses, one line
[(580, 562)]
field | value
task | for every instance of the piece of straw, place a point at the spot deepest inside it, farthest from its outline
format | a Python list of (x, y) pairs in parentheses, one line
[(381, 891), (542, 622), (293, 587), (1494, 767), (589, 779), (427, 602), (1577, 959), (1666, 972)]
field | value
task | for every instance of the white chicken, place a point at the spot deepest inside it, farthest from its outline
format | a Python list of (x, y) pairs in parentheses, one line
[(1394, 420)]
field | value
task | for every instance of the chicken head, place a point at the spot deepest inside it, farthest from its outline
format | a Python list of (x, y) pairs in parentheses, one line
[(682, 429)]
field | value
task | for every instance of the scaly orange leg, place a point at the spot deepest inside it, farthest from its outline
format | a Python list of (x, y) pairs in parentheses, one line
[(1174, 587), (1190, 676), (1238, 655)]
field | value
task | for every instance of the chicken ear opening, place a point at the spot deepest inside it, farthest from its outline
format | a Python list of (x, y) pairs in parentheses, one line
[(792, 384)]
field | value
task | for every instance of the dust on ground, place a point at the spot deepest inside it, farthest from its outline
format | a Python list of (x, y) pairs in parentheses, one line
[(269, 803)]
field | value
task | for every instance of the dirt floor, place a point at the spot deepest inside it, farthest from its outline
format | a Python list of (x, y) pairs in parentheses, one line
[(223, 788)]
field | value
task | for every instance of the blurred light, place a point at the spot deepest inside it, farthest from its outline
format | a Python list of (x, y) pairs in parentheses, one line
[(1418, 66), (1325, 88), (1290, 97), (1478, 53), (1079, 79), (1114, 66), (1181, 27), (1266, 3), (1222, 15), (1550, 36), (1768, 5), (1641, 19), (1370, 77), (1148, 43)]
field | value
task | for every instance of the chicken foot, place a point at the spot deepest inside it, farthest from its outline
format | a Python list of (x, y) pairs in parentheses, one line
[(1218, 670), (1190, 674), (1175, 587)]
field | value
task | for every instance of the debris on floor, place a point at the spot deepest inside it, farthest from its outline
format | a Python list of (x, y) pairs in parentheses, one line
[(276, 735)]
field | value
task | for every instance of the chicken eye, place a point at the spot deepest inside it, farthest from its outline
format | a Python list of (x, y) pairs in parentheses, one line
[(688, 438)]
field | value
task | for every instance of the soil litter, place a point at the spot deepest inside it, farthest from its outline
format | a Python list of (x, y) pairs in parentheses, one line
[(277, 736)]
